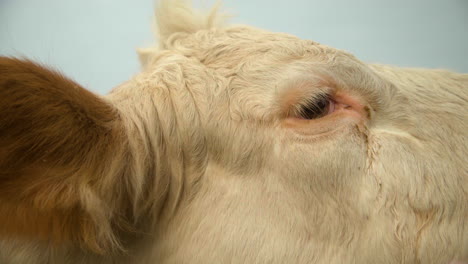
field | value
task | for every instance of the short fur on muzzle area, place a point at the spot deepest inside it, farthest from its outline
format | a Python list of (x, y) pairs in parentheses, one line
[(234, 145)]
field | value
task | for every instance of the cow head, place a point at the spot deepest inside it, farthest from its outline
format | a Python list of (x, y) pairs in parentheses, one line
[(235, 143)]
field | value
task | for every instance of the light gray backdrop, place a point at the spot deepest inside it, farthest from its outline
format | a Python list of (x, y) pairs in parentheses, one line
[(94, 41)]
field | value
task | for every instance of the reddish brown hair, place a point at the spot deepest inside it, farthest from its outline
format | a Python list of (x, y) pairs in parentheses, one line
[(53, 136)]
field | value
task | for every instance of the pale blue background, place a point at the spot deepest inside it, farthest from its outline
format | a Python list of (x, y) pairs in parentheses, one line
[(94, 41)]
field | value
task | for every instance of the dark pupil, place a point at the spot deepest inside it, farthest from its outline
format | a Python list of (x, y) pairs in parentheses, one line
[(315, 109)]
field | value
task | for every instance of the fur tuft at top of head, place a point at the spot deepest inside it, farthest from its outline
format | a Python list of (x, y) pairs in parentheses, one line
[(179, 16)]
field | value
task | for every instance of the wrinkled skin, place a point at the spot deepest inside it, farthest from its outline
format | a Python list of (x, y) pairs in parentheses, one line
[(209, 159)]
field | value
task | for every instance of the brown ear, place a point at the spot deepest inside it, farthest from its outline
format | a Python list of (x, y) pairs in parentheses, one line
[(56, 140)]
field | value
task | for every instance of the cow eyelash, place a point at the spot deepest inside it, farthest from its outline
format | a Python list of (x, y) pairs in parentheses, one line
[(314, 108)]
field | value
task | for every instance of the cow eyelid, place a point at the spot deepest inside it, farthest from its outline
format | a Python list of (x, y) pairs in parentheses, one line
[(314, 108)]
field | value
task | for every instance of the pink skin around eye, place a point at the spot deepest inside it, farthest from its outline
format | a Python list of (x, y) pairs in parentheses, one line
[(331, 107), (343, 109), (349, 105)]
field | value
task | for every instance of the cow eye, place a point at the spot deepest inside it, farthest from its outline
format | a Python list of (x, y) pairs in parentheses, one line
[(315, 108)]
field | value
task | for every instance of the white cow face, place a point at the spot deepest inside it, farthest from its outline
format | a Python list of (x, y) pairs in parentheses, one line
[(304, 144)]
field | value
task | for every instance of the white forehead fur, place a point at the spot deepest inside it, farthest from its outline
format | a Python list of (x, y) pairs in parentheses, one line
[(179, 16)]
